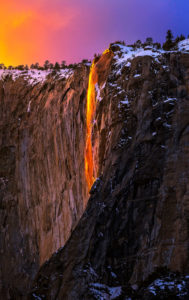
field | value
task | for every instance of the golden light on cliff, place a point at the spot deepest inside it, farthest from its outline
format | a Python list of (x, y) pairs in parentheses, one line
[(90, 114)]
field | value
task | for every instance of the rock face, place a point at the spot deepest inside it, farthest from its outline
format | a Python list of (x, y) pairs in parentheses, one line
[(136, 219), (43, 190)]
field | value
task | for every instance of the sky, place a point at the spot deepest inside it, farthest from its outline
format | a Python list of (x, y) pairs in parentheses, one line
[(71, 30)]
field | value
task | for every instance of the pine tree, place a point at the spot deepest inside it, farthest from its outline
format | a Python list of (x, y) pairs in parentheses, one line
[(46, 65), (20, 67), (36, 65), (169, 41), (84, 61), (179, 38), (63, 64), (169, 36), (51, 66), (2, 66), (57, 66), (182, 37), (138, 43), (149, 41)]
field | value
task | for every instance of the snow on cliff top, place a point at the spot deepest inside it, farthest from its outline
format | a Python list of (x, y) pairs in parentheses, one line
[(122, 56), (183, 45), (126, 53), (34, 76)]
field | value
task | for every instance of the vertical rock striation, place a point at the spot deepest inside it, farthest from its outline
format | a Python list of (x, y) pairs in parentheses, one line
[(43, 190)]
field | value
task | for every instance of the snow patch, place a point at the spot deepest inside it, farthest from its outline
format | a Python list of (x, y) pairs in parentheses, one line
[(91, 271), (113, 275), (102, 291), (170, 100), (126, 54), (29, 106), (98, 91), (98, 97), (125, 101), (152, 290), (115, 292), (167, 283), (36, 297), (100, 234), (183, 45), (166, 125), (65, 73), (33, 76), (128, 64)]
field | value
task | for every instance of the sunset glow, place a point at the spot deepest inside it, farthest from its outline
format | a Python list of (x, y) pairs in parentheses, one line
[(36, 30), (26, 32)]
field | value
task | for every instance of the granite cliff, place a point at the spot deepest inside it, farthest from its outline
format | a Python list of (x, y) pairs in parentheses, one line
[(133, 144), (42, 177)]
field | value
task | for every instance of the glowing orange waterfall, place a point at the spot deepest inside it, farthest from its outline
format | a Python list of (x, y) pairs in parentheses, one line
[(91, 99), (98, 73)]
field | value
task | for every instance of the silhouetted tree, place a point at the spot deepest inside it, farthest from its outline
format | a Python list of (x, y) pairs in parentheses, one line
[(169, 36), (57, 66), (138, 43), (2, 66), (149, 41), (35, 66), (85, 61), (169, 41), (96, 57), (63, 64), (120, 42), (179, 38), (41, 68), (20, 67), (182, 37), (51, 66), (72, 66), (157, 45), (46, 65)]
